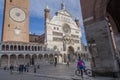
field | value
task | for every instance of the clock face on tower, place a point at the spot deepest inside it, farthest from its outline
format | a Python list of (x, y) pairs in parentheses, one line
[(17, 14)]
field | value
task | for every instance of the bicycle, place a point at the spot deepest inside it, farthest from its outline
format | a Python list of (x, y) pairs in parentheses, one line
[(87, 72)]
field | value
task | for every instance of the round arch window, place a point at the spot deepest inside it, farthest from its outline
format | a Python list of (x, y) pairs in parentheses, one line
[(66, 28), (55, 47)]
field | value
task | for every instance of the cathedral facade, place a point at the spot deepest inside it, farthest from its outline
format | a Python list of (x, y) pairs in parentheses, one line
[(61, 40), (62, 33)]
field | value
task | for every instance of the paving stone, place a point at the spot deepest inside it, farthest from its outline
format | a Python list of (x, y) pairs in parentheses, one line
[(48, 72)]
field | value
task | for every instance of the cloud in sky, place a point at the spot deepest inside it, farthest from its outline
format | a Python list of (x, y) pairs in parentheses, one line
[(38, 6), (72, 6), (37, 12)]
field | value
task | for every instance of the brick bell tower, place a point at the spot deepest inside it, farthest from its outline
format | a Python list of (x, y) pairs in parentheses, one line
[(16, 21)]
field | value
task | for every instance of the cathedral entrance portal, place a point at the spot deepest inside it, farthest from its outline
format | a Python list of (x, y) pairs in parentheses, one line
[(71, 56)]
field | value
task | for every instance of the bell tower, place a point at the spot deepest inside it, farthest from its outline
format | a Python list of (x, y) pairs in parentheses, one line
[(16, 21)]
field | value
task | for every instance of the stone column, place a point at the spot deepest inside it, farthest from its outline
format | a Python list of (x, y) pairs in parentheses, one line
[(30, 59), (24, 48), (42, 48), (5, 47), (17, 59), (30, 47), (17, 47), (8, 60), (8, 47), (43, 59), (62, 58), (37, 48), (24, 58), (13, 47), (47, 58), (37, 58)]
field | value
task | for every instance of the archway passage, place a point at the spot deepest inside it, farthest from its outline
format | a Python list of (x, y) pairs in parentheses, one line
[(4, 60), (113, 9), (27, 59), (13, 60), (71, 56), (51, 58), (20, 59), (113, 12), (97, 27), (34, 59), (40, 58), (46, 58)]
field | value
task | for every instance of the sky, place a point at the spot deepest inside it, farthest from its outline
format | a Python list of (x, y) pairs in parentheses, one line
[(37, 13)]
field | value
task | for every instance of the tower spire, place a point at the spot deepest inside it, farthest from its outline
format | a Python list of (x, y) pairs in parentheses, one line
[(63, 5)]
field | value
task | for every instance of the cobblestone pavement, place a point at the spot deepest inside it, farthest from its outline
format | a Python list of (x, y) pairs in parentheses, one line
[(7, 76), (48, 72), (59, 70)]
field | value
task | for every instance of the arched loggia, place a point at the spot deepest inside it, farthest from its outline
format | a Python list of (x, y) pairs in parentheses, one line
[(13, 60), (20, 59), (27, 59), (4, 60)]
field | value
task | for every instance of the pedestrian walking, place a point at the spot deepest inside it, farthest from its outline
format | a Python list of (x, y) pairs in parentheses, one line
[(35, 69), (11, 69), (22, 68), (67, 63), (38, 66), (55, 62), (25, 68), (19, 69), (5, 68)]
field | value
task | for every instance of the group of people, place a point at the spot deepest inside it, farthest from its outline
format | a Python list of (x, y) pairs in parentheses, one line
[(20, 68), (23, 68)]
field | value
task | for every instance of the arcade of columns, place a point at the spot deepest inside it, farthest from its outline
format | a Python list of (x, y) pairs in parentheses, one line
[(32, 54)]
